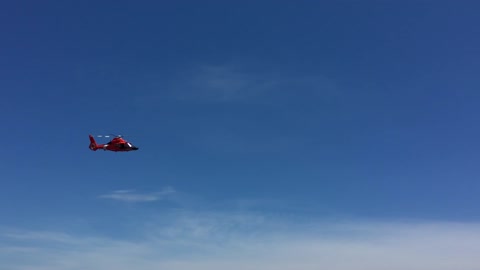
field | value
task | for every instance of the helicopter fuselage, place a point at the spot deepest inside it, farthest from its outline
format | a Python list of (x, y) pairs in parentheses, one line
[(117, 144)]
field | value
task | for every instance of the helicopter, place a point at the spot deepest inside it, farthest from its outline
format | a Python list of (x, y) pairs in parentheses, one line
[(117, 144)]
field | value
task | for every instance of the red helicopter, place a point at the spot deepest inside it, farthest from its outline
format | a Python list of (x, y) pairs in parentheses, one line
[(117, 144)]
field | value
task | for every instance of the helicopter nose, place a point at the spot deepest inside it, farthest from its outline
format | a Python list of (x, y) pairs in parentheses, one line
[(134, 148)]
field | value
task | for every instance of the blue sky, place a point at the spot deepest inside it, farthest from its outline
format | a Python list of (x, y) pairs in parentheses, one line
[(333, 128)]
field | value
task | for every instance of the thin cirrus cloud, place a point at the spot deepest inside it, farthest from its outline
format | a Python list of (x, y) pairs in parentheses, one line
[(224, 84), (269, 91), (237, 84), (132, 196), (234, 84), (208, 240)]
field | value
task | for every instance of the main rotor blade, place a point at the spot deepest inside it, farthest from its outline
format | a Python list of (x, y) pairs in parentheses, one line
[(111, 135)]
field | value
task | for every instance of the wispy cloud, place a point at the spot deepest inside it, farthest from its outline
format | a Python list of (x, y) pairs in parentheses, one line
[(222, 84), (239, 84), (270, 112), (132, 196), (209, 240)]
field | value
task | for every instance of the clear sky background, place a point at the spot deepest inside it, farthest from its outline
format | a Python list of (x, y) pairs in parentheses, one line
[(272, 134)]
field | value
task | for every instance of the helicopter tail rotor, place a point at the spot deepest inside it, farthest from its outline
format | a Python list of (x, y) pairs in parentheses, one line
[(93, 144)]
